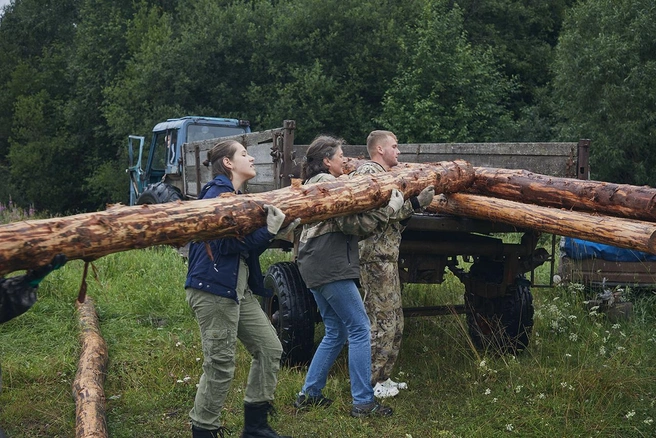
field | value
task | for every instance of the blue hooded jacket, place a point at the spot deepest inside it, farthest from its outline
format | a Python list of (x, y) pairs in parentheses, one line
[(219, 277)]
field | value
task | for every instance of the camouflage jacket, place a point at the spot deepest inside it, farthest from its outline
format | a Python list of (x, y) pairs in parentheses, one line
[(383, 244)]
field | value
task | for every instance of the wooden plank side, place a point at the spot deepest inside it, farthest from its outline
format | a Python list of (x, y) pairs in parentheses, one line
[(555, 159), (594, 271)]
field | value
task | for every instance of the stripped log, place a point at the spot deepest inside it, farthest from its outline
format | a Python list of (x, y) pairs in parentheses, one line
[(622, 200), (90, 236), (625, 233), (88, 391)]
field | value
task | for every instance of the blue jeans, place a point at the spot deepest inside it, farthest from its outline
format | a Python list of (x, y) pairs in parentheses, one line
[(345, 319)]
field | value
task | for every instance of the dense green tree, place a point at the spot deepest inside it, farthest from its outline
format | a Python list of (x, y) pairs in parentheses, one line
[(328, 63), (99, 56), (35, 41), (605, 86), (521, 35), (446, 89)]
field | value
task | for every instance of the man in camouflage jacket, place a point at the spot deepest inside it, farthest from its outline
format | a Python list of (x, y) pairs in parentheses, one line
[(379, 275)]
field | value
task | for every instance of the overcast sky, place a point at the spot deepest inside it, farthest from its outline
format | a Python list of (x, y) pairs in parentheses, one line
[(2, 4)]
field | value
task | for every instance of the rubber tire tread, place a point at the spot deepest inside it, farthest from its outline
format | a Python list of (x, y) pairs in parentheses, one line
[(503, 324), (296, 312), (159, 193)]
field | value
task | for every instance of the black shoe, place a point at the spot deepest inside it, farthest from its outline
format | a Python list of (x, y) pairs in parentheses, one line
[(305, 401), (371, 409)]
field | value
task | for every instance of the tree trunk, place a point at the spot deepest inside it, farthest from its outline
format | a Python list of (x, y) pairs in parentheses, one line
[(88, 391), (620, 200), (625, 233), (89, 236)]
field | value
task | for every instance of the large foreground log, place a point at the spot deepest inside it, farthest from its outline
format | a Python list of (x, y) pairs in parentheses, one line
[(625, 233), (622, 200), (90, 236), (88, 391)]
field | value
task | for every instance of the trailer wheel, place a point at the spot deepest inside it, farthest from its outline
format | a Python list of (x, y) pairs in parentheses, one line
[(159, 193), (502, 324), (291, 310)]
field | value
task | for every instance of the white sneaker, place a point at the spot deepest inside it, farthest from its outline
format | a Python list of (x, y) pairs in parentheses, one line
[(400, 385), (384, 391)]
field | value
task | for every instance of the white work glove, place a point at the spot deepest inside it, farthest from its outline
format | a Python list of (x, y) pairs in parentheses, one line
[(425, 197), (275, 218), (396, 201), (287, 233)]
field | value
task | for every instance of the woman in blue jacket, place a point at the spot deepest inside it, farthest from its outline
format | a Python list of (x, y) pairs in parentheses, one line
[(223, 278)]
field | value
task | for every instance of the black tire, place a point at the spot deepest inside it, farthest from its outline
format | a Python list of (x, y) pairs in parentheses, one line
[(292, 312), (501, 324), (159, 193)]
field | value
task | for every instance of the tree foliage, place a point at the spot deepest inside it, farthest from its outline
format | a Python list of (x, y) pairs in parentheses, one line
[(605, 86), (445, 89), (78, 76)]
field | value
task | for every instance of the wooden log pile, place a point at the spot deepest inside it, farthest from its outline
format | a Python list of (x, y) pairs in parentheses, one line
[(615, 214), (90, 236)]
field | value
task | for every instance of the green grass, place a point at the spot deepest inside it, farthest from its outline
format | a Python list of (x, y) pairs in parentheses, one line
[(582, 376)]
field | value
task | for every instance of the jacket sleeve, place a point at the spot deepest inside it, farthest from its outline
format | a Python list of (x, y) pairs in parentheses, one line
[(258, 240), (16, 297), (359, 224), (363, 224), (372, 169)]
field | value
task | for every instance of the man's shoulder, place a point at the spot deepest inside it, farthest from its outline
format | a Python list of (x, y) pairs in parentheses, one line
[(369, 167)]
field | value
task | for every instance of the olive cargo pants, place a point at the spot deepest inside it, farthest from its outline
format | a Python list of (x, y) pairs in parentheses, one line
[(222, 321)]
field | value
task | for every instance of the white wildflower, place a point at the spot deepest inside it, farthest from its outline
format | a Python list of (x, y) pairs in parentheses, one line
[(629, 415), (509, 427), (488, 391)]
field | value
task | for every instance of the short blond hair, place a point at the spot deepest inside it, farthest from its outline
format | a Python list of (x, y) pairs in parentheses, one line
[(375, 137)]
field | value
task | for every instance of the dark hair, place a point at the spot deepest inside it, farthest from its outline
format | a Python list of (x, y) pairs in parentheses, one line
[(216, 155), (324, 146)]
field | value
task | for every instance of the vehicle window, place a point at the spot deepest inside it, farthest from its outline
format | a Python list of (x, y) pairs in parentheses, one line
[(206, 132), (159, 152)]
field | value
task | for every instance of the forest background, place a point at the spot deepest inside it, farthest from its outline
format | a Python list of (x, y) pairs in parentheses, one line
[(78, 76)]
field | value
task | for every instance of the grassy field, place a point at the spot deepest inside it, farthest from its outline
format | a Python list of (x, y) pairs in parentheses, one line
[(582, 376)]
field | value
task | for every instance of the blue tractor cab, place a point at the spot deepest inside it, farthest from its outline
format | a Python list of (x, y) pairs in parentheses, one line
[(163, 156)]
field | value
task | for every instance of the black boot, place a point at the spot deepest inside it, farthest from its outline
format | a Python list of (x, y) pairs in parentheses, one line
[(204, 433), (255, 421)]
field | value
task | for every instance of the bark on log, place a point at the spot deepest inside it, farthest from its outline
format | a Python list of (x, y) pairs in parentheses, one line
[(88, 391), (90, 236), (625, 233), (620, 200)]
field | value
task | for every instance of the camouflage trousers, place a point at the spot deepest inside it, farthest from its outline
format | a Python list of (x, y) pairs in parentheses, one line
[(381, 293)]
